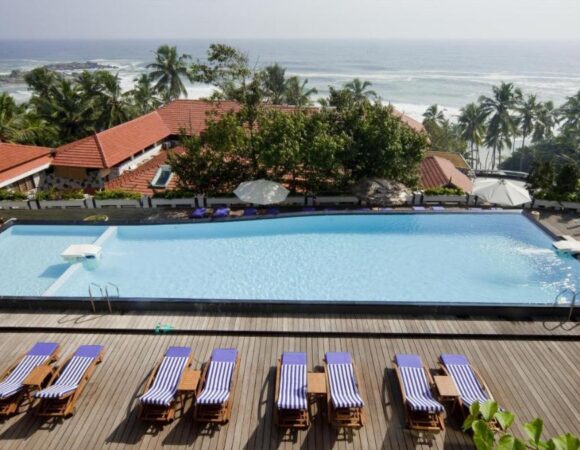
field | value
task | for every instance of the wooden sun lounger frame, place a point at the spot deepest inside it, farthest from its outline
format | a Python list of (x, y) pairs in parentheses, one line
[(289, 418), (11, 404), (65, 405), (215, 413), (343, 417), (464, 408), (161, 413), (433, 422)]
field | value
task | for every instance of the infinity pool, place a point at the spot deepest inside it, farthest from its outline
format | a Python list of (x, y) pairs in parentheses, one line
[(498, 258)]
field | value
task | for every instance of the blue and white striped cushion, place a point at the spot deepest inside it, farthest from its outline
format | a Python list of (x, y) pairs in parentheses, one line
[(217, 386), (467, 384), (417, 390), (12, 384), (69, 379), (164, 387), (292, 394), (343, 386)]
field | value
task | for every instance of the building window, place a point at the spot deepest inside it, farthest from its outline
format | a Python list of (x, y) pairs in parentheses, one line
[(162, 177)]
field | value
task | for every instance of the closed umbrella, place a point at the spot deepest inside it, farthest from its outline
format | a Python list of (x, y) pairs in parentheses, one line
[(501, 192), (261, 192)]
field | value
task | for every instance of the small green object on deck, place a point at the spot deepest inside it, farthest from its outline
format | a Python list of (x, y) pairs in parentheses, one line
[(163, 328)]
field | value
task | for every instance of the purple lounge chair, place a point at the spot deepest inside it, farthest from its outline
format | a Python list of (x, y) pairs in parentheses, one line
[(291, 391), (164, 386), (476, 209), (60, 398), (470, 386), (217, 386), (309, 209), (221, 213), (41, 353), (418, 208), (198, 213), (415, 384), (272, 211), (438, 208), (344, 401), (248, 212)]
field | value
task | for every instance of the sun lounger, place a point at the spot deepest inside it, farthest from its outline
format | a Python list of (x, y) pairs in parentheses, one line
[(438, 208), (12, 384), (217, 387), (273, 211), (309, 209), (470, 385), (250, 212), (422, 411), (160, 400), (291, 409), (345, 405), (198, 213), (418, 208), (59, 399), (476, 209), (221, 212)]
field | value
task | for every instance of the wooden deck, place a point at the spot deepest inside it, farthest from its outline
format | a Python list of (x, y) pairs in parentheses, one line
[(530, 377)]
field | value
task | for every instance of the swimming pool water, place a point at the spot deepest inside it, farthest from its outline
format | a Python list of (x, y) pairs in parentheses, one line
[(446, 258)]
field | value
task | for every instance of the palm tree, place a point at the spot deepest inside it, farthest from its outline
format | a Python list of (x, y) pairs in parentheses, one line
[(545, 122), (501, 125), (8, 117), (143, 96), (21, 126), (112, 104), (569, 113), (274, 81), (167, 71), (433, 115), (297, 93), (528, 114), (360, 90), (471, 122)]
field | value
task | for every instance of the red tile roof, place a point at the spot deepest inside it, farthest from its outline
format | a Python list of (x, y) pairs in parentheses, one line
[(110, 147), (17, 160), (457, 160), (139, 180), (439, 172), (191, 115), (414, 124)]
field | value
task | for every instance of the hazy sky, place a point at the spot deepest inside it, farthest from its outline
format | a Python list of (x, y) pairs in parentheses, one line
[(526, 19)]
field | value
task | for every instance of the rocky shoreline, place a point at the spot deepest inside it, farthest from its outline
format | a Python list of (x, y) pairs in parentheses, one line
[(17, 75)]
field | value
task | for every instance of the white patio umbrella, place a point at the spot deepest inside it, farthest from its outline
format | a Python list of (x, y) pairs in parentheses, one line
[(501, 192), (261, 192)]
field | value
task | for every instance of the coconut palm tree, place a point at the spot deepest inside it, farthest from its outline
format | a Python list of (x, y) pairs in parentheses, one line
[(274, 83), (143, 96), (360, 90), (501, 125), (569, 113), (545, 122), (471, 123), (167, 72), (433, 115), (21, 126), (297, 93), (527, 114), (112, 105), (8, 117)]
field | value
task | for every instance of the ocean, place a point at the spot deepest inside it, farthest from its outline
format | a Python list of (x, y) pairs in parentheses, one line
[(410, 74)]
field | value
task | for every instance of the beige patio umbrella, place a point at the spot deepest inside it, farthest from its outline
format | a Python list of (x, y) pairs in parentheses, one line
[(261, 192)]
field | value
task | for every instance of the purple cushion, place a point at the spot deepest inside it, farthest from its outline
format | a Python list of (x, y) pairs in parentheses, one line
[(221, 212), (386, 209), (438, 208), (272, 211), (458, 360), (224, 354), (294, 358), (418, 208), (408, 360), (177, 352), (89, 351), (250, 211), (198, 213), (338, 358), (43, 348), (309, 209)]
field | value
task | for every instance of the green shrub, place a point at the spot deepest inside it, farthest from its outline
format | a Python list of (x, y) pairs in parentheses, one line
[(116, 194), (60, 194), (6, 194), (444, 191), (170, 194)]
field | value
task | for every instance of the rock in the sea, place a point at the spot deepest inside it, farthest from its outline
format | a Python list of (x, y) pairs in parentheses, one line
[(73, 66)]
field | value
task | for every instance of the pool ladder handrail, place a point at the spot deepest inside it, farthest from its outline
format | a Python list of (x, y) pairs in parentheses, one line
[(572, 302), (104, 294)]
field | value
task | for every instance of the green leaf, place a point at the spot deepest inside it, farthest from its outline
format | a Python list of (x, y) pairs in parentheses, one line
[(505, 419), (519, 445), (566, 442), (468, 423), (534, 430), (474, 409), (482, 435), (488, 409), (506, 442)]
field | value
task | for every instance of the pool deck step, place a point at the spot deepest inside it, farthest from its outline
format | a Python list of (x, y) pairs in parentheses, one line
[(285, 324)]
